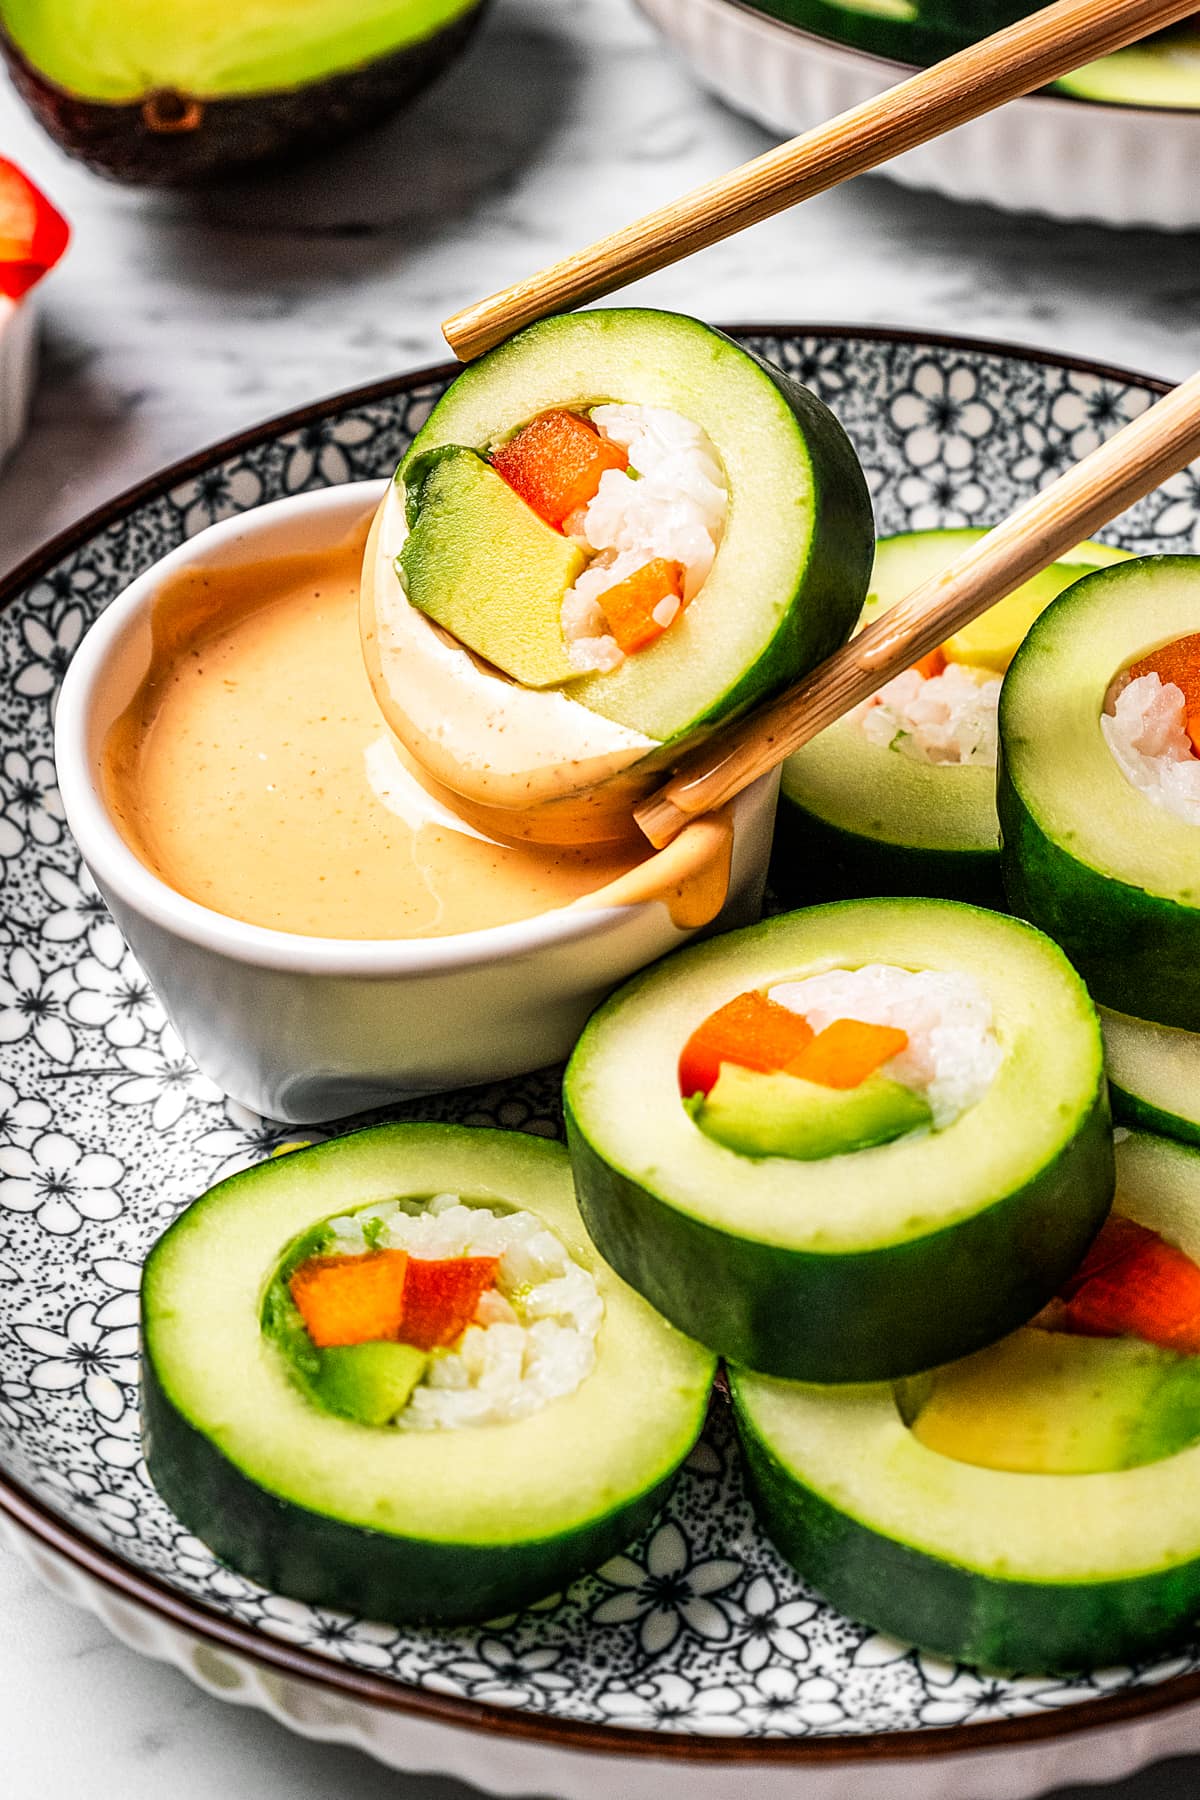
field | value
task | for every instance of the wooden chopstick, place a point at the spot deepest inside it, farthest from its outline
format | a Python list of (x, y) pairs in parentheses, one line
[(1130, 464), (1002, 67)]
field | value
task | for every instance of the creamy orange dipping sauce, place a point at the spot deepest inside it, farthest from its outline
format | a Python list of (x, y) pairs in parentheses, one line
[(252, 772)]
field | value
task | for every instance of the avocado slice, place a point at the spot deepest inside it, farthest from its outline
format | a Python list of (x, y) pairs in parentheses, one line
[(433, 1526), (858, 818), (824, 1271), (1047, 1403), (480, 562), (1113, 876), (791, 569), (781, 1115), (179, 95), (995, 1567), (368, 1382)]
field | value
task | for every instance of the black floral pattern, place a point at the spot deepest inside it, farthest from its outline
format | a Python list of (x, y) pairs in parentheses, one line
[(107, 1130)]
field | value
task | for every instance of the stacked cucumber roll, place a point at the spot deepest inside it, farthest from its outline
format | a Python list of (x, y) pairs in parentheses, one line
[(1032, 1507), (850, 1143), (390, 1374), (899, 796)]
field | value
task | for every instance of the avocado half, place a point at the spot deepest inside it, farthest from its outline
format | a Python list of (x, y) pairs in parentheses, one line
[(1097, 864), (176, 96), (861, 818), (863, 1266), (977, 1564), (432, 1526)]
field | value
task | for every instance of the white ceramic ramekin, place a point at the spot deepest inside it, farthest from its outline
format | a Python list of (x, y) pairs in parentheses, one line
[(304, 1028), (18, 363)]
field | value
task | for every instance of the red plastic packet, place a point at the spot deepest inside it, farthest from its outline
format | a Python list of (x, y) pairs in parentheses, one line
[(33, 234)]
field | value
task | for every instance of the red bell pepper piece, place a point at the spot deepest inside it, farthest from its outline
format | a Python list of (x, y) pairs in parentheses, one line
[(440, 1298), (555, 463), (1133, 1284), (33, 234)]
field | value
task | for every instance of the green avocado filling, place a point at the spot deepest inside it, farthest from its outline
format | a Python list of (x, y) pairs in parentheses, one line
[(1107, 1378), (481, 563), (784, 1115)]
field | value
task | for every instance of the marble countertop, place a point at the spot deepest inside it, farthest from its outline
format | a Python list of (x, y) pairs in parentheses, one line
[(175, 321)]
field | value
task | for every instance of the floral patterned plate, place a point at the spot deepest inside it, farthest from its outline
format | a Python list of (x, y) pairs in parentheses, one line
[(698, 1645)]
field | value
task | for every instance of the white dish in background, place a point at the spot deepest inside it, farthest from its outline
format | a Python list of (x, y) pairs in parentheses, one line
[(18, 367), (1070, 159), (309, 1028)]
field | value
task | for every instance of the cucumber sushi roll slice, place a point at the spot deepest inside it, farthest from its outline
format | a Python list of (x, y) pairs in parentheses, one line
[(390, 1374), (1099, 788), (1153, 1075), (935, 1509), (612, 533), (899, 797), (849, 1143)]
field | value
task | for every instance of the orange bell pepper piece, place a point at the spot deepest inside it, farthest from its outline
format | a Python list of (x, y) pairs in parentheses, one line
[(555, 463), (351, 1299), (440, 1297), (932, 664), (751, 1030), (846, 1052), (33, 234), (1132, 1283), (629, 607)]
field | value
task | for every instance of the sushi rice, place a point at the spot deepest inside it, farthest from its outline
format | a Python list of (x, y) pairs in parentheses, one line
[(952, 1055), (946, 718), (1144, 725), (533, 1339), (671, 503)]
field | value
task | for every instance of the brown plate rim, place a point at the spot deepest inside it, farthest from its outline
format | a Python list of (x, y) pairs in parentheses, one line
[(35, 1519), (1133, 110)]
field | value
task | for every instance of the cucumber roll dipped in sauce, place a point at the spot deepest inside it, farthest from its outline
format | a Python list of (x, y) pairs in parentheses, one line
[(899, 797), (847, 1144), (390, 1374), (614, 532), (1099, 790), (1034, 1506)]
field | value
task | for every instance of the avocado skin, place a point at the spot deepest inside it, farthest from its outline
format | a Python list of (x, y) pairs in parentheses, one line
[(782, 1312), (956, 1612), (243, 130), (813, 860), (325, 1562), (1138, 952)]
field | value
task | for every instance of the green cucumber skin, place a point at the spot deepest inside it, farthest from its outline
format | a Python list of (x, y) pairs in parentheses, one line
[(953, 1611), (813, 860), (1139, 1115), (1139, 953), (795, 1315), (325, 1562), (832, 588)]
